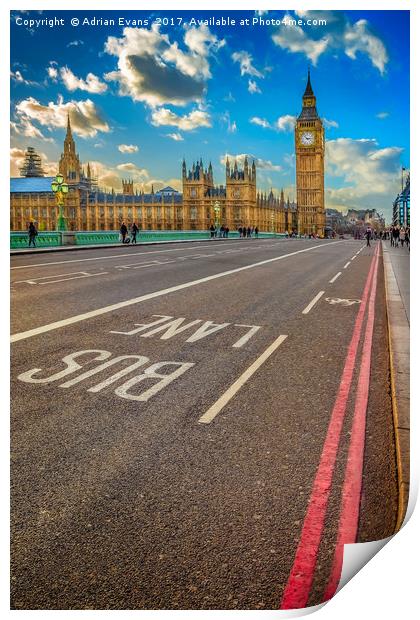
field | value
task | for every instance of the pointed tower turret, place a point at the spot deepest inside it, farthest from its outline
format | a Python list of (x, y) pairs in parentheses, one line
[(69, 165)]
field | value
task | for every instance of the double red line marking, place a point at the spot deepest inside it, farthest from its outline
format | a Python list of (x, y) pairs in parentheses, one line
[(301, 576)]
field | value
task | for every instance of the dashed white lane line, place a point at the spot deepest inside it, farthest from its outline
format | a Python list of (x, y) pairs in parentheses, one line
[(353, 257), (337, 275), (346, 265), (313, 302), (215, 409), (136, 300), (115, 256)]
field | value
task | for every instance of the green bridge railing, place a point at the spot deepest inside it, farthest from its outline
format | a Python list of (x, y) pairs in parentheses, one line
[(43, 239), (102, 237)]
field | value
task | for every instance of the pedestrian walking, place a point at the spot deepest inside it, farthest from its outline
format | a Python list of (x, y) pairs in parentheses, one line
[(134, 231), (32, 233), (407, 237), (256, 232), (227, 232), (248, 232), (240, 231), (222, 231), (123, 232), (402, 237), (368, 235), (396, 236)]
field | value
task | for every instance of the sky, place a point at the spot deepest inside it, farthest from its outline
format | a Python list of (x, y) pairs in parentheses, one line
[(146, 89)]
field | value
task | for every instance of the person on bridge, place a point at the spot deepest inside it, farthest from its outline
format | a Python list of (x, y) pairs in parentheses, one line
[(402, 237), (256, 232), (32, 233), (134, 231), (395, 240), (368, 236), (123, 232)]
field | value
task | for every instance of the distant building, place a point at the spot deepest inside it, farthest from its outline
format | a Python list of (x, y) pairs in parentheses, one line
[(401, 207), (334, 220)]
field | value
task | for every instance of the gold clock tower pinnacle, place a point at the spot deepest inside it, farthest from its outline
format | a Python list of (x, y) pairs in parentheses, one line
[(309, 149)]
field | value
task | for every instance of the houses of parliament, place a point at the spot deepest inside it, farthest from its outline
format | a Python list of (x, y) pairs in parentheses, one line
[(201, 204)]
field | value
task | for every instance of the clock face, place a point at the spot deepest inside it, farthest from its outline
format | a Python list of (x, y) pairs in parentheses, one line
[(307, 138), (236, 193)]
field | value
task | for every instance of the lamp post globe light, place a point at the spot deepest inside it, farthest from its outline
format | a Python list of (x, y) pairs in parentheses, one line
[(60, 189)]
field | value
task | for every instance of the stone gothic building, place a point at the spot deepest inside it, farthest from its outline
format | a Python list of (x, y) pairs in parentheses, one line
[(201, 204)]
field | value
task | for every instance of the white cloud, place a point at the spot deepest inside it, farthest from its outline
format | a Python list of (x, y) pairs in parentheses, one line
[(344, 36), (382, 115), (154, 70), (294, 39), (111, 177), (24, 127), (369, 173), (52, 71), (85, 118), (262, 122), (263, 164), (231, 125), (359, 38), (175, 136), (75, 43), (245, 62), (138, 174), (92, 84), (329, 124), (18, 77), (286, 122), (128, 148), (187, 122), (253, 87)]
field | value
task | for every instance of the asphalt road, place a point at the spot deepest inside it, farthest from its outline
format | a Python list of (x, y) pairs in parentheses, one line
[(179, 477)]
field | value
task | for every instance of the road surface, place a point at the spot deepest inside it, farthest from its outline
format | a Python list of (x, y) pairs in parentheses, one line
[(186, 421)]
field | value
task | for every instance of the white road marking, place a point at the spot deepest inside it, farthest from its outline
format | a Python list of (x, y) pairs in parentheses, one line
[(313, 302), (76, 275), (253, 330), (211, 413), (337, 275), (346, 265), (135, 300), (353, 257), (82, 260), (343, 302)]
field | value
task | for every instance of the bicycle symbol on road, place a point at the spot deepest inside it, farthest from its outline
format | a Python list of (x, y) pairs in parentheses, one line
[(342, 302)]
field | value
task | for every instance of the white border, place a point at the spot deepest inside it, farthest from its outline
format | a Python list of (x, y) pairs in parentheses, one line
[(387, 586)]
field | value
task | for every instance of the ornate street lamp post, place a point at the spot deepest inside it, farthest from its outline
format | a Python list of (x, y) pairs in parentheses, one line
[(216, 208), (60, 189)]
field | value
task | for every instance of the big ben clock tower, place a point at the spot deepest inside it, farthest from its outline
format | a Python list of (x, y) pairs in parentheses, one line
[(309, 149)]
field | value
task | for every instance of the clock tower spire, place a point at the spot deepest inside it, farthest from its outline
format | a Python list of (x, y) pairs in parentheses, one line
[(310, 150)]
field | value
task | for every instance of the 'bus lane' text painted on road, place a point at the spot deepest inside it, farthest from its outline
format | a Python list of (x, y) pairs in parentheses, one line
[(154, 372), (168, 327)]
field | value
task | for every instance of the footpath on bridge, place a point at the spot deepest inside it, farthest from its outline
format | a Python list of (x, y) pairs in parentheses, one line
[(397, 283)]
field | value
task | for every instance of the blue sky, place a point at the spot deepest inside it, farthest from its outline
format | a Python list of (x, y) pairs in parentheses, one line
[(142, 97)]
